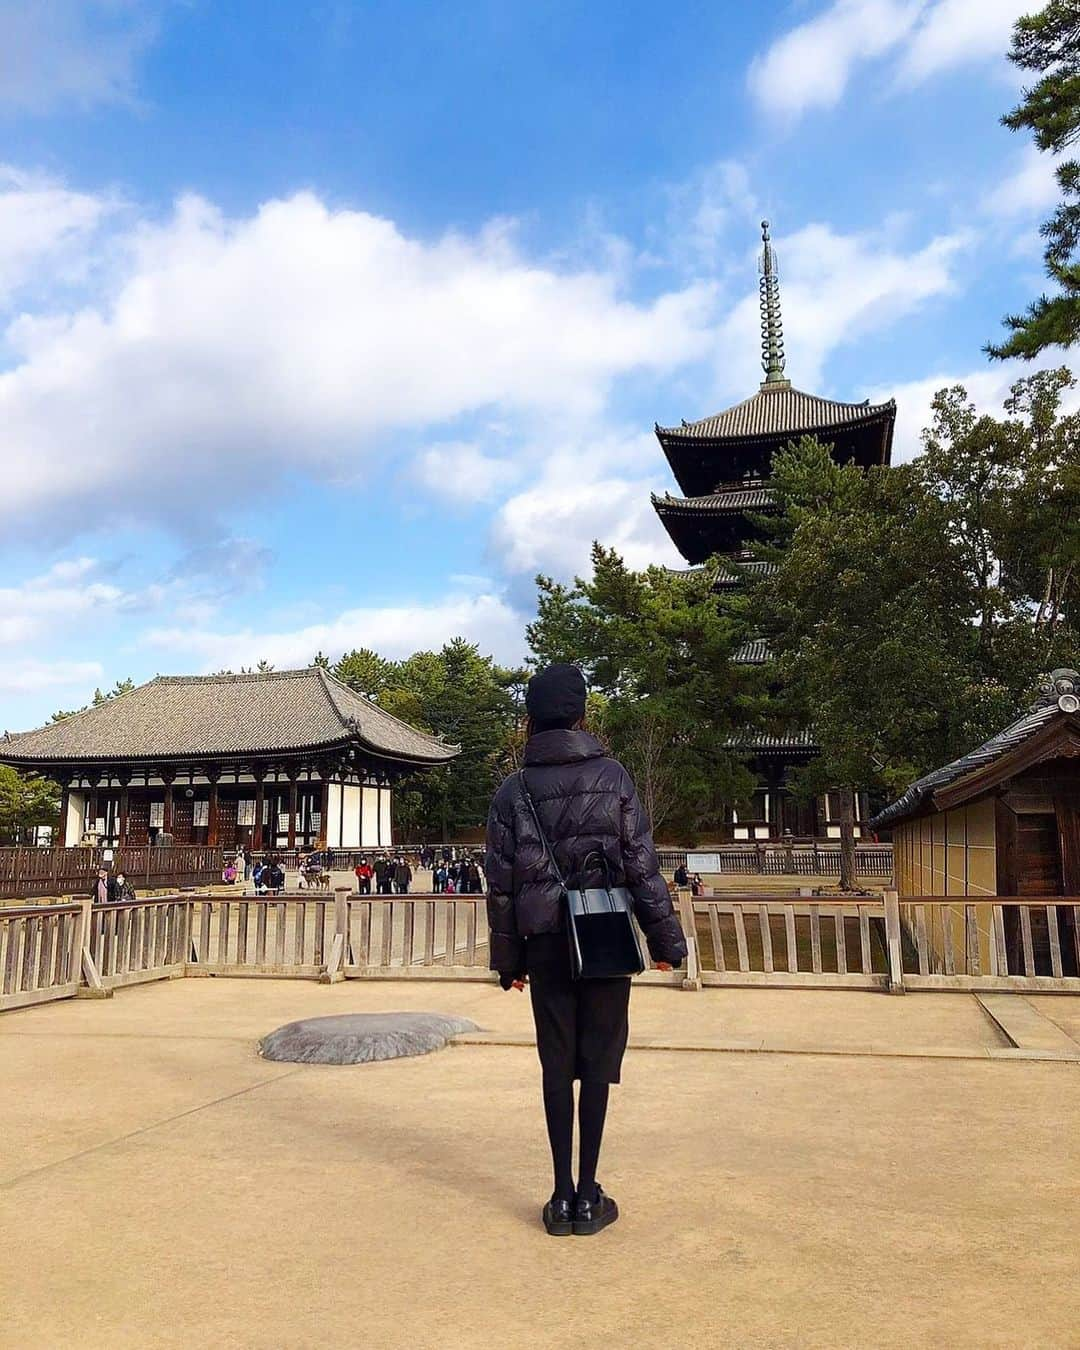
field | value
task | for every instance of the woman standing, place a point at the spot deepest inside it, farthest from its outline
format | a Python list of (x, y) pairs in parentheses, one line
[(586, 804)]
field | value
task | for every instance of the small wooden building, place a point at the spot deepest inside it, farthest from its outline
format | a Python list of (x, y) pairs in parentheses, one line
[(285, 759), (1002, 820)]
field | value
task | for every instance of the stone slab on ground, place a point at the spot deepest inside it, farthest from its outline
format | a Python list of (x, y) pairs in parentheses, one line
[(361, 1038)]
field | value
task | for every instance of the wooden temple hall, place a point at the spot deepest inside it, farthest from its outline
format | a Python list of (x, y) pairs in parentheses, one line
[(287, 759), (722, 465)]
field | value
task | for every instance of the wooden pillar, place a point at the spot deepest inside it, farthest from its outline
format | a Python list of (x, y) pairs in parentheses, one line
[(293, 793), (324, 804), (1067, 811), (125, 780), (92, 805), (212, 815), (257, 828), (65, 804), (167, 813)]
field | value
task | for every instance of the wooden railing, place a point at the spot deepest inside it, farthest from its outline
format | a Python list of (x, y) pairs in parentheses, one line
[(1005, 943), (140, 940), (1000, 942), (774, 859), (436, 936), (261, 935), (747, 940), (71, 871), (40, 947)]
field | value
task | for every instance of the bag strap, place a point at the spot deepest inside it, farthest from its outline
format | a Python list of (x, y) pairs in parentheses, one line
[(540, 830)]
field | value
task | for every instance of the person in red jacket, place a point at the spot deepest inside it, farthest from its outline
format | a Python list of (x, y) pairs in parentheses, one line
[(364, 873)]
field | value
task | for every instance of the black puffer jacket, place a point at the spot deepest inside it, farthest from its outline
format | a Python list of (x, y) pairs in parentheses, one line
[(586, 802)]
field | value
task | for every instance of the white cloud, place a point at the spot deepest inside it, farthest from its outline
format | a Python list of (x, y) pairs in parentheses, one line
[(700, 211), (392, 630), (69, 592), (298, 339), (461, 471), (599, 489), (835, 288), (987, 385), (951, 33), (29, 676), (71, 51), (42, 222), (1031, 187), (811, 64)]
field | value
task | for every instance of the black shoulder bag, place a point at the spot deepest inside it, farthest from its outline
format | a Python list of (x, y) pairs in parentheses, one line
[(603, 940)]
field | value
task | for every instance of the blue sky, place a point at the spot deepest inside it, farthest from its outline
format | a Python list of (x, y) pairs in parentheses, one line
[(330, 324)]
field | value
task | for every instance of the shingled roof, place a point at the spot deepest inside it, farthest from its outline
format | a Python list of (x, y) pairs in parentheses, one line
[(188, 716), (737, 499), (778, 409), (1054, 704)]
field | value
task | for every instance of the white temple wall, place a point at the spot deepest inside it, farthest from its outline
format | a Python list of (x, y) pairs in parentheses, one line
[(333, 816), (350, 816), (386, 828), (73, 820), (369, 837)]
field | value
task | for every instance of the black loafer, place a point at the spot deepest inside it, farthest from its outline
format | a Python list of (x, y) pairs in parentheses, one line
[(592, 1215), (559, 1217)]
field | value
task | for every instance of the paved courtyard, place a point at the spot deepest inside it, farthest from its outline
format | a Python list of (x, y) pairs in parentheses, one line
[(898, 1180)]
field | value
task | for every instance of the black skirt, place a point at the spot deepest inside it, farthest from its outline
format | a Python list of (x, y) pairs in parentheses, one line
[(581, 1025)]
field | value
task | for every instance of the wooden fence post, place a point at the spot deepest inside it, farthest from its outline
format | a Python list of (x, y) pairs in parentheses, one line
[(894, 943), (689, 927), (90, 985), (335, 973)]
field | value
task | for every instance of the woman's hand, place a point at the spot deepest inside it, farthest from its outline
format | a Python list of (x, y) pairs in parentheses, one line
[(663, 965), (519, 985)]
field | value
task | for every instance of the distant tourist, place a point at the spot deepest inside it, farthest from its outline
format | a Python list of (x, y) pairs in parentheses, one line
[(274, 877), (125, 891), (697, 886), (439, 877), (571, 797), (682, 876), (402, 876), (229, 873), (364, 873), (103, 891), (257, 876), (384, 874)]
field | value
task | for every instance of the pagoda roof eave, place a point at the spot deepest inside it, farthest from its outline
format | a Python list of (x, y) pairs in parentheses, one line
[(771, 415), (734, 502)]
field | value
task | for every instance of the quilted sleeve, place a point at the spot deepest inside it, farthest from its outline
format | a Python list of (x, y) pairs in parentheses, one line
[(652, 901), (506, 947)]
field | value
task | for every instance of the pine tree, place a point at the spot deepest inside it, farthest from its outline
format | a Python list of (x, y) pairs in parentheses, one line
[(1049, 43)]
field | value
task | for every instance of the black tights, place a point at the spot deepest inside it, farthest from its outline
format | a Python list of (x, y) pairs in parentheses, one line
[(559, 1112)]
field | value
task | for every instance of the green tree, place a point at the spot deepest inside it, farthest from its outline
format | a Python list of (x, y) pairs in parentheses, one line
[(26, 801), (869, 619), (656, 648), (461, 695), (1010, 489), (1048, 44), (97, 699)]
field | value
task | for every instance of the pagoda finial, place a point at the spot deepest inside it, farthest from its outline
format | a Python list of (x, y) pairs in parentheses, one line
[(772, 327)]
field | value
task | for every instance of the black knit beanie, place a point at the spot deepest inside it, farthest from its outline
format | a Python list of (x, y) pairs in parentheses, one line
[(556, 694)]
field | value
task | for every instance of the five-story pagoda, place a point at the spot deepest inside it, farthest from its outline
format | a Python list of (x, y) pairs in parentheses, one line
[(722, 464)]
